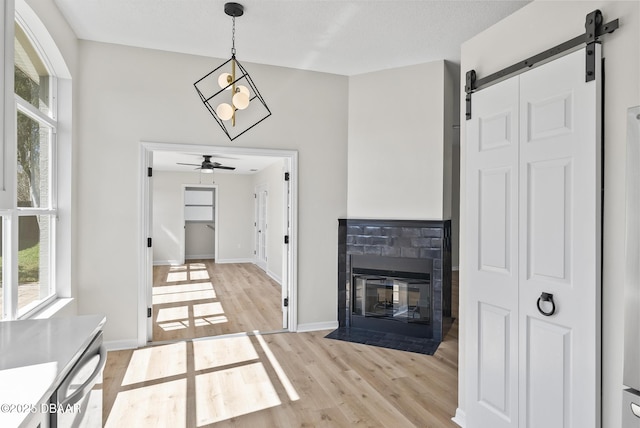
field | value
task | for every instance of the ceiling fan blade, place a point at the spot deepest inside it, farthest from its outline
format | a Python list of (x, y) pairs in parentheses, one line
[(221, 157), (224, 167), (189, 164)]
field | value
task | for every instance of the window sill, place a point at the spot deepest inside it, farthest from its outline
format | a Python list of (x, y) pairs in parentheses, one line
[(58, 307)]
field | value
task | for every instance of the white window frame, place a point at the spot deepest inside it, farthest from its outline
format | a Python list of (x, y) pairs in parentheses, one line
[(10, 212)]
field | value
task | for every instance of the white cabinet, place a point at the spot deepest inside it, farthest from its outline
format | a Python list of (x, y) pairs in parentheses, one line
[(36, 357)]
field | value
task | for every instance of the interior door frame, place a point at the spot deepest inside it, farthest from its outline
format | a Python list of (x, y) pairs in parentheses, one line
[(145, 215)]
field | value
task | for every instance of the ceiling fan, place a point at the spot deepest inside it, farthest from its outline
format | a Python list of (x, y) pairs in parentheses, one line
[(207, 166)]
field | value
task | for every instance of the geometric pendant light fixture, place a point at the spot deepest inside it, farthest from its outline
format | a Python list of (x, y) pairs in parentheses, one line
[(228, 92)]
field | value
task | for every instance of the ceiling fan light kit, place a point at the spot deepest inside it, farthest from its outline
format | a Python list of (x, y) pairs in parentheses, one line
[(229, 93), (207, 166)]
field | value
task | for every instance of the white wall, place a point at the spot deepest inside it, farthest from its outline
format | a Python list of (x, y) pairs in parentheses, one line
[(273, 177), (199, 240), (128, 95), (235, 217), (168, 242), (396, 148), (519, 36)]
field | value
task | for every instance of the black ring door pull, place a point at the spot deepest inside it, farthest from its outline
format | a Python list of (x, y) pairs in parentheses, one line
[(547, 297)]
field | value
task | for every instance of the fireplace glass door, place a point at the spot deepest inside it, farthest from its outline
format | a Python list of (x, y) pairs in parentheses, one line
[(401, 299)]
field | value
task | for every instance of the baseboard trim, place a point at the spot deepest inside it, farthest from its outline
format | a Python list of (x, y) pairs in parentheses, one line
[(168, 262), (316, 326), (275, 277), (460, 418), (199, 256), (226, 261), (118, 345)]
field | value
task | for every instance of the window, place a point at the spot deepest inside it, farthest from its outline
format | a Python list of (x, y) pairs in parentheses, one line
[(29, 226), (31, 78)]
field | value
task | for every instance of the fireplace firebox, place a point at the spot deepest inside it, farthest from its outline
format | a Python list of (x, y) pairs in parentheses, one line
[(392, 294), (394, 277)]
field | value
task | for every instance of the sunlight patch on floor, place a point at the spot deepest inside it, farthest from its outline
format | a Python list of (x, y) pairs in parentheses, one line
[(233, 392), (196, 265), (169, 401), (192, 286), (171, 314), (223, 351), (282, 376), (186, 296), (201, 310), (227, 376), (203, 322), (197, 322), (156, 362), (178, 317), (176, 276), (174, 325), (199, 274)]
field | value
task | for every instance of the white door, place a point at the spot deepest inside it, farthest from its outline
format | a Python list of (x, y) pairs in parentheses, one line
[(261, 226), (492, 265), (534, 181)]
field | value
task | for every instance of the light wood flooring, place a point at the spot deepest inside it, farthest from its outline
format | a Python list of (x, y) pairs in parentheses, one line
[(201, 298), (280, 380)]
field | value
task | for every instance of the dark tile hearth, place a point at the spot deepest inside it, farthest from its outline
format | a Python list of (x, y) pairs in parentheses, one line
[(385, 340)]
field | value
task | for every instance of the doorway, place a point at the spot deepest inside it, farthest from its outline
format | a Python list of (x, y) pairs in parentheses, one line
[(200, 238), (150, 152)]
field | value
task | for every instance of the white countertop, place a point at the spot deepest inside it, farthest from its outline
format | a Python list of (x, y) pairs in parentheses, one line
[(35, 356)]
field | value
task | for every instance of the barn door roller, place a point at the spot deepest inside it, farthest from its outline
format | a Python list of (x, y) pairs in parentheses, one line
[(594, 28)]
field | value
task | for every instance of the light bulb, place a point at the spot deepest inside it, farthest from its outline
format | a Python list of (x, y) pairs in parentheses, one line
[(224, 111), (242, 89), (241, 100), (224, 80)]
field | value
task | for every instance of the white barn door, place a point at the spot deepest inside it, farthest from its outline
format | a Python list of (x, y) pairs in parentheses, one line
[(492, 263), (534, 180)]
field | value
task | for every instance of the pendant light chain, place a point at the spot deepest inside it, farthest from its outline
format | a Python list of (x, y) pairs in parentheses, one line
[(233, 37)]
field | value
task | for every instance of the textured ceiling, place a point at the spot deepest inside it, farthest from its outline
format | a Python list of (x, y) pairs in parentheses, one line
[(336, 36), (343, 37)]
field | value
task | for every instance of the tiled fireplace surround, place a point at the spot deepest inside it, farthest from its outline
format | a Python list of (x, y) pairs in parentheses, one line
[(416, 239)]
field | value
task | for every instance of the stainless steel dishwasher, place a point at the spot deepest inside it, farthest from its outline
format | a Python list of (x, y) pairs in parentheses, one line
[(76, 403)]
